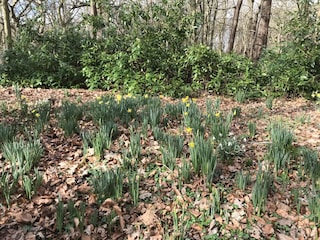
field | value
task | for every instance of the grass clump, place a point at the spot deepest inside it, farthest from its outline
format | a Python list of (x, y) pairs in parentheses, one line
[(240, 96), (135, 144), (41, 114), (242, 179), (69, 216), (23, 157), (107, 184), (311, 165), (99, 140), (203, 157), (260, 190), (68, 117), (280, 150), (7, 133)]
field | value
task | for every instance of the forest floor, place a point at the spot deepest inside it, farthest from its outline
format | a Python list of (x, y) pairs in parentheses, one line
[(166, 206)]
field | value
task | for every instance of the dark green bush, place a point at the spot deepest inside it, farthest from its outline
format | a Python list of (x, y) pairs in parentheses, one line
[(287, 73), (143, 56), (50, 59), (149, 48), (198, 65), (294, 68), (235, 73)]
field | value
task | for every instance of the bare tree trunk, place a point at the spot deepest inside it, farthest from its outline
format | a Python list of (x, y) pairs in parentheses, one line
[(214, 18), (253, 22), (209, 22), (94, 13), (263, 28), (221, 43), (6, 24), (235, 21), (193, 9)]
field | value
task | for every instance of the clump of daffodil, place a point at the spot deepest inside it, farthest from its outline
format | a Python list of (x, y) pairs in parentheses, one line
[(185, 99), (191, 144), (34, 111), (188, 130), (118, 98), (316, 96)]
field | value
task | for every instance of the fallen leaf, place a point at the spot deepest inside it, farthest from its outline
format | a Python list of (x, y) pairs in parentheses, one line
[(148, 218), (268, 229), (85, 237), (76, 222), (283, 237), (284, 222), (39, 200), (195, 212), (235, 223), (282, 210), (144, 194), (196, 227), (238, 214), (70, 180), (156, 237), (84, 188), (23, 217), (260, 221), (30, 236), (219, 219)]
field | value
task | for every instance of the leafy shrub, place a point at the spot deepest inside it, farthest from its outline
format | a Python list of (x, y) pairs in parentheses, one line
[(142, 57), (198, 65), (287, 73), (294, 68), (235, 73), (50, 59)]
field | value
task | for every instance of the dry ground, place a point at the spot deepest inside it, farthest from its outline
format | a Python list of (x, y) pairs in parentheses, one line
[(152, 218)]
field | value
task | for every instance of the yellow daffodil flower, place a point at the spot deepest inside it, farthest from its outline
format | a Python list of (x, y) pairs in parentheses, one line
[(188, 130), (118, 98), (191, 144), (185, 99)]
